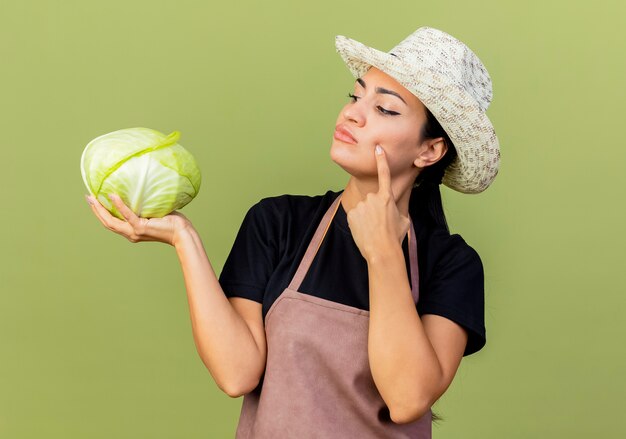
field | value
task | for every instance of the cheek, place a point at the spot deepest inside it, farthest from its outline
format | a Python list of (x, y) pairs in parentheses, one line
[(397, 135), (401, 147), (396, 145)]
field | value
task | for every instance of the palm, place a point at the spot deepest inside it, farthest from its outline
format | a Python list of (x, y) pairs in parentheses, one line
[(137, 229)]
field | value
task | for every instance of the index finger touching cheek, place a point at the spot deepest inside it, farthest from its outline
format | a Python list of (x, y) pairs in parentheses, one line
[(384, 178)]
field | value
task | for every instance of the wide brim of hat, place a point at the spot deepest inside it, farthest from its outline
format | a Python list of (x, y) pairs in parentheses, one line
[(469, 128)]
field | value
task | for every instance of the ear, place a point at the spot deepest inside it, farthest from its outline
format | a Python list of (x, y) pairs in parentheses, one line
[(430, 152)]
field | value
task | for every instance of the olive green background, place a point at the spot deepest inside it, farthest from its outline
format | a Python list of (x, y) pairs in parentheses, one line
[(95, 336)]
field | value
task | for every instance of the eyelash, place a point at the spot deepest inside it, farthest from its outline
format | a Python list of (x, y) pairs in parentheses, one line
[(381, 109)]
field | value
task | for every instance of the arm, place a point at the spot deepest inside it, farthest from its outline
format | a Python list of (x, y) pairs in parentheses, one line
[(412, 361), (231, 347), (229, 333)]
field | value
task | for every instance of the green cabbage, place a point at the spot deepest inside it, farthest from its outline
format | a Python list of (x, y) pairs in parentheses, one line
[(151, 172)]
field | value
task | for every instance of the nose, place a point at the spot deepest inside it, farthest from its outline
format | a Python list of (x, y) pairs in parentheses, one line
[(354, 112)]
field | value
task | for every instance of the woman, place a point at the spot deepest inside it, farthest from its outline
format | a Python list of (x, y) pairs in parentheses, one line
[(323, 315)]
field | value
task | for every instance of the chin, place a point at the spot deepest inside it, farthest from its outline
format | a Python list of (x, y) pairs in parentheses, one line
[(348, 159)]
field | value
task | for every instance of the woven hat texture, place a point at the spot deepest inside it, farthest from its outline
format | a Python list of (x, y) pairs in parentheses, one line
[(452, 82)]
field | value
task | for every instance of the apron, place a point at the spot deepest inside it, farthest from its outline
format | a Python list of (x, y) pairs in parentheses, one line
[(317, 381)]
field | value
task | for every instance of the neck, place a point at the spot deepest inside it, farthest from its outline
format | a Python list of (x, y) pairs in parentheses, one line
[(356, 190)]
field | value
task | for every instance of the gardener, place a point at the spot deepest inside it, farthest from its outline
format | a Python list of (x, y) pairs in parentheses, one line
[(323, 316)]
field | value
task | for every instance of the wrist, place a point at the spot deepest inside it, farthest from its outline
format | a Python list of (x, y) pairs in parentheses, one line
[(182, 233), (385, 254)]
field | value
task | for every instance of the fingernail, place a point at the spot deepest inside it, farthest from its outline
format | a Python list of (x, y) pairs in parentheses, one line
[(88, 198), (379, 150)]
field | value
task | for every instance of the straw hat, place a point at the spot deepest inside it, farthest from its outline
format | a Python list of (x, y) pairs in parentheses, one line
[(450, 80)]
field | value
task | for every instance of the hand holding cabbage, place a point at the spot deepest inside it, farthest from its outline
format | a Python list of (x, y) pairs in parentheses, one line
[(136, 229), (152, 176)]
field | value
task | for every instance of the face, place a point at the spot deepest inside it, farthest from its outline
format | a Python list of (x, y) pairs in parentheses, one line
[(380, 111)]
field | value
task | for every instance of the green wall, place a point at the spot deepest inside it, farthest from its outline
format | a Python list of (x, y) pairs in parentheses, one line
[(95, 336)]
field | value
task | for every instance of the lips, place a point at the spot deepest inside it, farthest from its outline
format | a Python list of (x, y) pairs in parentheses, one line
[(341, 133)]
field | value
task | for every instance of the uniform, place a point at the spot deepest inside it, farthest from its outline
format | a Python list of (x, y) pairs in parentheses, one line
[(317, 382)]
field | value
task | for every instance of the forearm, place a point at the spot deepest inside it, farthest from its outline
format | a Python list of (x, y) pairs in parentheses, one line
[(403, 362), (223, 339)]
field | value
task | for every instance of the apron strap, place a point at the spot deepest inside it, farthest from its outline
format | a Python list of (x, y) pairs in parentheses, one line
[(316, 241)]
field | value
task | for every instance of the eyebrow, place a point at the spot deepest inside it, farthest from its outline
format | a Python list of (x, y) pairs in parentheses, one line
[(382, 90)]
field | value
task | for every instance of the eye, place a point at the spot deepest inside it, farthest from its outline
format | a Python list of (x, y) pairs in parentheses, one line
[(381, 109)]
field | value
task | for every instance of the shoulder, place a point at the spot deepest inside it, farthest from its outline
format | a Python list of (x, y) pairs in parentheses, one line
[(290, 207), (447, 250), (455, 248)]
